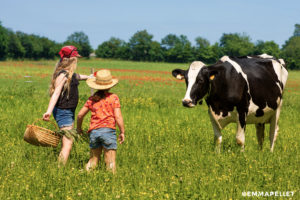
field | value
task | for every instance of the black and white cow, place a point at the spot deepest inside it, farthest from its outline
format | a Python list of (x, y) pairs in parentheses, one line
[(243, 90)]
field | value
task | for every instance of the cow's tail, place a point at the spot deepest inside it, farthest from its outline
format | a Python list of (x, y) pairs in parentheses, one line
[(284, 72), (282, 62)]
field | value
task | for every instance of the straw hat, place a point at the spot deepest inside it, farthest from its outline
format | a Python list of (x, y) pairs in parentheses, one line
[(102, 80)]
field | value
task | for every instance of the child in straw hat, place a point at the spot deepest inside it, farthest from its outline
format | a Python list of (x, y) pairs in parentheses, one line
[(64, 96), (105, 114)]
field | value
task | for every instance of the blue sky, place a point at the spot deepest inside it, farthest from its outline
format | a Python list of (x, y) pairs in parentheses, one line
[(260, 19)]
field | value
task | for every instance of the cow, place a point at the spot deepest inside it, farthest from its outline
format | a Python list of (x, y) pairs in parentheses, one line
[(242, 90)]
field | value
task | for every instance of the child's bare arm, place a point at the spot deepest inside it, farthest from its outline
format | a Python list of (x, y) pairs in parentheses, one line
[(82, 77), (84, 110), (59, 83), (120, 123)]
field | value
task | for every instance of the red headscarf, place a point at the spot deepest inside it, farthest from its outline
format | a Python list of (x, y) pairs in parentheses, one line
[(68, 51)]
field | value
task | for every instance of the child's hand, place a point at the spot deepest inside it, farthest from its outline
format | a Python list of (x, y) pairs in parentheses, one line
[(46, 116), (121, 138), (79, 131)]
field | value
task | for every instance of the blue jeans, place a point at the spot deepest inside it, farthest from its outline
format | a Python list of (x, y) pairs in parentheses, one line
[(103, 137), (64, 117)]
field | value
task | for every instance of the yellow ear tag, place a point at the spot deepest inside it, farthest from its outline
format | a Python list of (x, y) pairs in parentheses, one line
[(180, 77), (212, 77)]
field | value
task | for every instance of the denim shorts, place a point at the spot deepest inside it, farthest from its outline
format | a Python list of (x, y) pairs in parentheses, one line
[(103, 137), (64, 117)]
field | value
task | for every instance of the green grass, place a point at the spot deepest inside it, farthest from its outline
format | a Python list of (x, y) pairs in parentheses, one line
[(168, 152)]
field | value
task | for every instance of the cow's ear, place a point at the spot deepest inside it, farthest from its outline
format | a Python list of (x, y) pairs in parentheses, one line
[(213, 74), (179, 73), (210, 73)]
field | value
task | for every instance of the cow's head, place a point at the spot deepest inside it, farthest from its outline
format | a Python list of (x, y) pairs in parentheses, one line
[(197, 82)]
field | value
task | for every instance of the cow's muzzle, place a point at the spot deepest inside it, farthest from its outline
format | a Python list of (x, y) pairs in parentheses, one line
[(188, 103)]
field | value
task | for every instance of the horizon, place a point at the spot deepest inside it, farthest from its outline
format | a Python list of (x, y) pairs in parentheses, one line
[(97, 19)]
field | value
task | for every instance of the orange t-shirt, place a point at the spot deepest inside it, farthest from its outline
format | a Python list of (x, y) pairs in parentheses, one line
[(103, 111)]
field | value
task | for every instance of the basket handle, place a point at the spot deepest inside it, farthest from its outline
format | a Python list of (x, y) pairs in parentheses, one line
[(39, 119)]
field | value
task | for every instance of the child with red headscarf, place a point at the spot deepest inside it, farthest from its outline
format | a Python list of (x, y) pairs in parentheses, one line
[(64, 96)]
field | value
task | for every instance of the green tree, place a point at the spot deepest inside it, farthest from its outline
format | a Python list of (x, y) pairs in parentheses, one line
[(81, 41), (218, 51), (204, 51), (32, 45), (50, 48), (236, 44), (186, 49), (169, 41), (297, 30), (124, 52), (3, 42), (104, 50), (110, 48), (156, 53), (268, 47), (140, 45), (15, 48), (202, 42), (291, 52), (35, 47), (177, 49)]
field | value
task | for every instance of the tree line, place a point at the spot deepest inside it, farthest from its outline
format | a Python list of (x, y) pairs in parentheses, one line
[(19, 45), (142, 47)]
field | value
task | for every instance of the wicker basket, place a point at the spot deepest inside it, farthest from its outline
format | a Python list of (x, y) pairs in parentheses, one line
[(40, 136)]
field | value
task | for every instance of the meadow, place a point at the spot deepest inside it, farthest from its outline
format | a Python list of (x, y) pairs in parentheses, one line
[(168, 151)]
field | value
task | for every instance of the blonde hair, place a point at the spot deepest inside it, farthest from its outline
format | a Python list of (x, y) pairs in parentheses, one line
[(68, 64)]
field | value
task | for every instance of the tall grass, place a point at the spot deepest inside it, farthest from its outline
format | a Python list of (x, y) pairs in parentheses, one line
[(168, 152)]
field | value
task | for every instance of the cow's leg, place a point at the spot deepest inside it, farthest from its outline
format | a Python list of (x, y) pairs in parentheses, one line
[(274, 128), (240, 136), (260, 134), (217, 133), (240, 133)]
